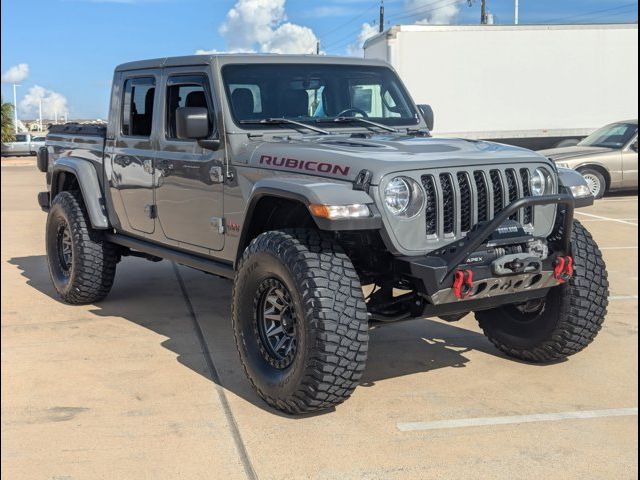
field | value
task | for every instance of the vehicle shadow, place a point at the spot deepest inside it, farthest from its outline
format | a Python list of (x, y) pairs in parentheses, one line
[(144, 292)]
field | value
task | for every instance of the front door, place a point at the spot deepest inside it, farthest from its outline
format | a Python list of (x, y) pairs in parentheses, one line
[(131, 161), (630, 165), (189, 187)]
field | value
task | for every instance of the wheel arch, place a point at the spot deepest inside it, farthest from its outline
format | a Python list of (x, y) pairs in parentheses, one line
[(71, 173), (599, 168), (272, 209)]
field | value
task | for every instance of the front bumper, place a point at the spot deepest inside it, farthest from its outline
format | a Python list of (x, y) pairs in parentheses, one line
[(435, 276)]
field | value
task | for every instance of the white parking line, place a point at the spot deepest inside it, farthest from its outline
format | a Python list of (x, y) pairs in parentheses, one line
[(607, 218), (623, 297), (515, 419)]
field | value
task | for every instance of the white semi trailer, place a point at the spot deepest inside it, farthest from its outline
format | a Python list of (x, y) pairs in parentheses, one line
[(533, 85)]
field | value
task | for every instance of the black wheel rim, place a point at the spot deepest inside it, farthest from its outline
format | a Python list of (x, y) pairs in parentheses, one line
[(65, 248), (277, 324)]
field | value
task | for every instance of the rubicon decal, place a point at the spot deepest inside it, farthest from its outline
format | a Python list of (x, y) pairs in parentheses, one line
[(305, 165)]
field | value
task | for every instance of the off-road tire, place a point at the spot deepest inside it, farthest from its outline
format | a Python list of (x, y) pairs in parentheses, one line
[(89, 277), (572, 315), (330, 311)]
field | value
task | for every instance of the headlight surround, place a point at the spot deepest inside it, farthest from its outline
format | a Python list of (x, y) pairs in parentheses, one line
[(541, 182), (404, 197)]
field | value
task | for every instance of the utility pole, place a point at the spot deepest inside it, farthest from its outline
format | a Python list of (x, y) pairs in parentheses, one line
[(381, 26), (40, 115), (516, 16), (318, 48), (15, 108), (484, 19)]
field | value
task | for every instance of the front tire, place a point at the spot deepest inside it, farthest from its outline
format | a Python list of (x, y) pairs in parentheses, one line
[(82, 264), (595, 181), (566, 321), (300, 285)]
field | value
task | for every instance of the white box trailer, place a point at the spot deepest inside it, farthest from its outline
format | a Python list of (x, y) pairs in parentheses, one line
[(532, 85)]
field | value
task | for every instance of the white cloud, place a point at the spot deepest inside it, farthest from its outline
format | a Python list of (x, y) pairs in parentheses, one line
[(367, 31), (262, 26), (435, 11), (16, 74), (52, 103)]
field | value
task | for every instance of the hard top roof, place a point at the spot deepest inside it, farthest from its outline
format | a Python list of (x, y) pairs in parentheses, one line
[(251, 58)]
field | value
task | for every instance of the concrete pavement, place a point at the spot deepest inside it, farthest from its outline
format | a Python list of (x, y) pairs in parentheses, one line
[(147, 384)]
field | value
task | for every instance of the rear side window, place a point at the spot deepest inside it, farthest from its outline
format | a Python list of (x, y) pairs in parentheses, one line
[(21, 138), (186, 91), (137, 106)]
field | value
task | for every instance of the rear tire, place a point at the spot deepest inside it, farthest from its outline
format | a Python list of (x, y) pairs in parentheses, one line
[(321, 307), (569, 319), (596, 182), (82, 264)]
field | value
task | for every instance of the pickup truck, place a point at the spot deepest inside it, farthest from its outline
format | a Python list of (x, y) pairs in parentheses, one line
[(313, 183), (23, 144)]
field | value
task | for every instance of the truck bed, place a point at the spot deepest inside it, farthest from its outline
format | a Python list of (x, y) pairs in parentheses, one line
[(79, 129), (77, 140)]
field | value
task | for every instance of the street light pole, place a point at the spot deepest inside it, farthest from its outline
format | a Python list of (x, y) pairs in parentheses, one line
[(517, 12), (15, 107), (40, 114)]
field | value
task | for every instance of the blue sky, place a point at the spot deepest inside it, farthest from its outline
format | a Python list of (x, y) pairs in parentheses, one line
[(71, 46)]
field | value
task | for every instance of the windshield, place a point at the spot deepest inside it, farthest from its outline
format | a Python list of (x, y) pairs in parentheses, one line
[(316, 93), (616, 135)]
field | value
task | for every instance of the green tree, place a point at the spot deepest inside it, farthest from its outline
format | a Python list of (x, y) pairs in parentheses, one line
[(7, 122)]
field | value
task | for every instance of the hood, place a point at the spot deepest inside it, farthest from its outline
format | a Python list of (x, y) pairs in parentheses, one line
[(343, 156), (568, 153)]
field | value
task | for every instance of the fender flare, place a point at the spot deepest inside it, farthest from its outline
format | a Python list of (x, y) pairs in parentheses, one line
[(313, 191), (90, 188), (567, 178)]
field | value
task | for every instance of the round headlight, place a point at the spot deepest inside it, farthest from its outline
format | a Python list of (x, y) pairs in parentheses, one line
[(404, 197), (541, 182)]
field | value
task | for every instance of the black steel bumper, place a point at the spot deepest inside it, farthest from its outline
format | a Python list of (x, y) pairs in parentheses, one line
[(434, 275)]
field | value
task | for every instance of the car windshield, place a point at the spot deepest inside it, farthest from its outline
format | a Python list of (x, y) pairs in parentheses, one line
[(616, 135), (316, 94)]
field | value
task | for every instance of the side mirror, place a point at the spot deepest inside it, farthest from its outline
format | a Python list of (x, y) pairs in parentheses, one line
[(192, 123), (634, 146), (428, 115)]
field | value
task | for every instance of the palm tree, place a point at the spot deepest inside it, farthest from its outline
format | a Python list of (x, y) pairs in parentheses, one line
[(7, 122)]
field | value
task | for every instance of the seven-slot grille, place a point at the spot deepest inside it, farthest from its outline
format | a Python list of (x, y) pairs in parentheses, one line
[(456, 201)]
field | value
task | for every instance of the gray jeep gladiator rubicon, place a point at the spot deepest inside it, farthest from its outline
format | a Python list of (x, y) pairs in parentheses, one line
[(315, 185)]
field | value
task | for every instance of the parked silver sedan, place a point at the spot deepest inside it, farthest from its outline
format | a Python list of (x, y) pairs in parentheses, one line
[(607, 159)]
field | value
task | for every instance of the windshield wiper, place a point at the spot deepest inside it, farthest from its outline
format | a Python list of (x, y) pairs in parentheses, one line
[(284, 121), (357, 119)]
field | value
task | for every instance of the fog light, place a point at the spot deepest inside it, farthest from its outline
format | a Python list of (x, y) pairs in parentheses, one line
[(338, 212)]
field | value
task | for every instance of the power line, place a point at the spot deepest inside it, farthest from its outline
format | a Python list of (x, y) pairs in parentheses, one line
[(348, 39), (595, 12), (423, 10), (348, 22)]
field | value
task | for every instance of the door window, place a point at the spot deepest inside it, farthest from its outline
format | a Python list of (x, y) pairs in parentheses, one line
[(137, 108), (21, 138), (183, 91)]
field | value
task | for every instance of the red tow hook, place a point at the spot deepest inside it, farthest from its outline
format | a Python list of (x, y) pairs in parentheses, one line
[(563, 269), (463, 283)]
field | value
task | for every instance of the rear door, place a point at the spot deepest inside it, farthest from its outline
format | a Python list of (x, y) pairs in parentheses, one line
[(189, 191), (132, 156)]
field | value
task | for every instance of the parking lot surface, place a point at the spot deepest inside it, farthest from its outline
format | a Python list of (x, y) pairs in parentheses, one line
[(147, 384)]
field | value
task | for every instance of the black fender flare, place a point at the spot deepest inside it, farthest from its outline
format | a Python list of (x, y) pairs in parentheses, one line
[(90, 188), (312, 192)]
